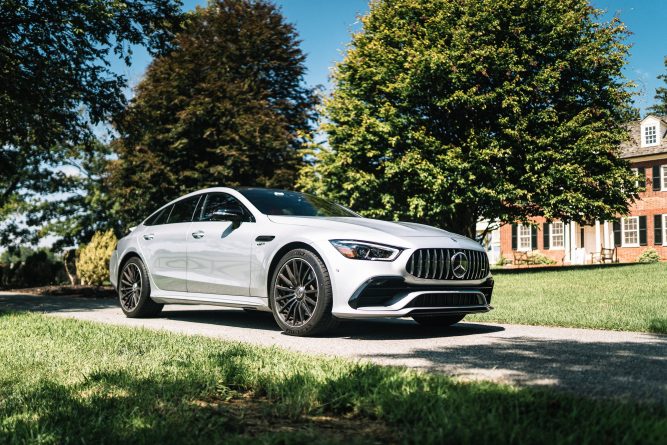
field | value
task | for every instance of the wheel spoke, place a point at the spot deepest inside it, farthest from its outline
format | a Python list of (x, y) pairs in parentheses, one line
[(290, 273), (292, 306), (304, 276), (309, 313), (286, 280)]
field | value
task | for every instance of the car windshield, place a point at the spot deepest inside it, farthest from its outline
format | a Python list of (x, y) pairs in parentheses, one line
[(283, 202)]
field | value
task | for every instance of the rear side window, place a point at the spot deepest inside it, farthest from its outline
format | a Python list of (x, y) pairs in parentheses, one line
[(183, 210), (159, 217)]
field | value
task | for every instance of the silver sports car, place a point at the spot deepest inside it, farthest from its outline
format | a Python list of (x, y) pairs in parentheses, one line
[(309, 261)]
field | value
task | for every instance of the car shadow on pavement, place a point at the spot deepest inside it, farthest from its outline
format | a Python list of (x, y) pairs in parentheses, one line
[(223, 317), (397, 329), (609, 369), (47, 303), (381, 329)]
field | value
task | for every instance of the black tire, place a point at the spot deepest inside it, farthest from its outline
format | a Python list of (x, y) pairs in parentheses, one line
[(134, 291), (291, 299), (437, 320)]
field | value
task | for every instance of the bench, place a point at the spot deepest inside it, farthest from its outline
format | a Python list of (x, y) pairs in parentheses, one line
[(605, 256), (520, 257)]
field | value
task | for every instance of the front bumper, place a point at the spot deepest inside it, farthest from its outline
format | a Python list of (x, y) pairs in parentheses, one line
[(392, 296), (378, 289)]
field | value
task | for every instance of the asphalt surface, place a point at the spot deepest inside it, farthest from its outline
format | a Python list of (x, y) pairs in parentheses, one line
[(594, 363)]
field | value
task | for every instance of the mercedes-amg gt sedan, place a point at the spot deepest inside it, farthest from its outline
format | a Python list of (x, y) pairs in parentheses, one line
[(309, 261)]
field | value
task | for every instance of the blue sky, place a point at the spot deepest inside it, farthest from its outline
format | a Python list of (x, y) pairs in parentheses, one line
[(324, 27)]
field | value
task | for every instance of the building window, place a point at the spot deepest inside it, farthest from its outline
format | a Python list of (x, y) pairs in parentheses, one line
[(663, 178), (650, 135), (630, 228), (557, 235), (664, 229), (524, 235)]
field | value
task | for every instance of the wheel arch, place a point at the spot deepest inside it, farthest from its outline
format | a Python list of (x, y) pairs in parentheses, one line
[(128, 255), (278, 256)]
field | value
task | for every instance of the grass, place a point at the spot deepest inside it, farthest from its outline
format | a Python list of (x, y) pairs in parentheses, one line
[(628, 298), (67, 381)]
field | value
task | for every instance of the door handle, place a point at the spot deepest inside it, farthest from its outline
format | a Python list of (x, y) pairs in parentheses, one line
[(149, 236), (198, 234)]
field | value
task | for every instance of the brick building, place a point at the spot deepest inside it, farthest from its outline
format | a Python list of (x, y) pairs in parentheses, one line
[(645, 226)]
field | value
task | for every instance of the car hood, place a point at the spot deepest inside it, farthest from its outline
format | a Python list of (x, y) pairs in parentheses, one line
[(371, 226)]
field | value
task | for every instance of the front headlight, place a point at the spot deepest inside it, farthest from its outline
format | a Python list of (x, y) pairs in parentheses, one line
[(361, 250)]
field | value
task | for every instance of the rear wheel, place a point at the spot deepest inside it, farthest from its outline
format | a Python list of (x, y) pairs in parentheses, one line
[(437, 320), (301, 297), (134, 291)]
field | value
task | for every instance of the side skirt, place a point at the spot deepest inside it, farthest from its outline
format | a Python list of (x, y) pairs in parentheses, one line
[(169, 297)]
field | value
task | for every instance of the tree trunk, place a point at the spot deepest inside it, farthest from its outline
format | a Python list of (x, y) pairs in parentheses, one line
[(70, 269)]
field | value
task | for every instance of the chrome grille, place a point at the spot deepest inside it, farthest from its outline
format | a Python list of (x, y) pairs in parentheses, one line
[(436, 264)]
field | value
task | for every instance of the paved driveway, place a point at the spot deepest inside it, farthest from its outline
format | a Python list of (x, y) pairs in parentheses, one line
[(595, 363)]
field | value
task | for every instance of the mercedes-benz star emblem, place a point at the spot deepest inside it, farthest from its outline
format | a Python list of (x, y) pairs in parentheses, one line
[(459, 264)]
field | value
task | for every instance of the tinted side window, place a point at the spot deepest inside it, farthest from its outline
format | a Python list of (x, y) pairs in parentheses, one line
[(183, 210), (215, 201), (159, 217)]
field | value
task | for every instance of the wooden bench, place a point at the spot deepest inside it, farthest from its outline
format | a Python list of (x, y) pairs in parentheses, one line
[(520, 257), (604, 256), (608, 255)]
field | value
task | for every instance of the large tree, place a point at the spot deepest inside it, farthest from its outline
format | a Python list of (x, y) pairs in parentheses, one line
[(660, 106), (86, 207), (448, 112), (57, 85), (226, 107)]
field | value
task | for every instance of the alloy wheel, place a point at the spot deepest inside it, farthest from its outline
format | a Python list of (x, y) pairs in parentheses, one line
[(295, 292), (130, 287)]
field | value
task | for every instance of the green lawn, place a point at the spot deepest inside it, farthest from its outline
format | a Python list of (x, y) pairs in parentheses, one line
[(67, 381), (627, 297)]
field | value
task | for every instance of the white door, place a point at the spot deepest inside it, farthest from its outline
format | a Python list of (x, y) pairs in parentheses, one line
[(163, 244), (219, 251)]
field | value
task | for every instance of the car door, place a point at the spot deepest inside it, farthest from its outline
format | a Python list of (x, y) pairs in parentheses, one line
[(163, 244), (219, 246)]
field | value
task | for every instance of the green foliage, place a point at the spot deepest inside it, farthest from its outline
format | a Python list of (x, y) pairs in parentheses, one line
[(86, 208), (56, 85), (94, 383), (451, 111), (625, 298), (226, 107), (501, 261), (660, 107), (92, 264), (537, 257), (28, 267), (649, 255)]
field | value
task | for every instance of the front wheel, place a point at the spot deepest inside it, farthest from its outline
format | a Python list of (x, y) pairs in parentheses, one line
[(437, 320), (301, 297), (134, 291)]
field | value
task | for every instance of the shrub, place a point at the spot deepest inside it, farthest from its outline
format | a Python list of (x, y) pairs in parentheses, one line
[(29, 268), (501, 261), (537, 257), (92, 264), (649, 255)]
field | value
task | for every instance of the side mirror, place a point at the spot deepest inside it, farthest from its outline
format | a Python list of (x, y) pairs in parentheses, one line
[(234, 215)]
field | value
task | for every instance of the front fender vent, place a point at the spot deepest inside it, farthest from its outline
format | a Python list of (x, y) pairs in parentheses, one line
[(448, 264)]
